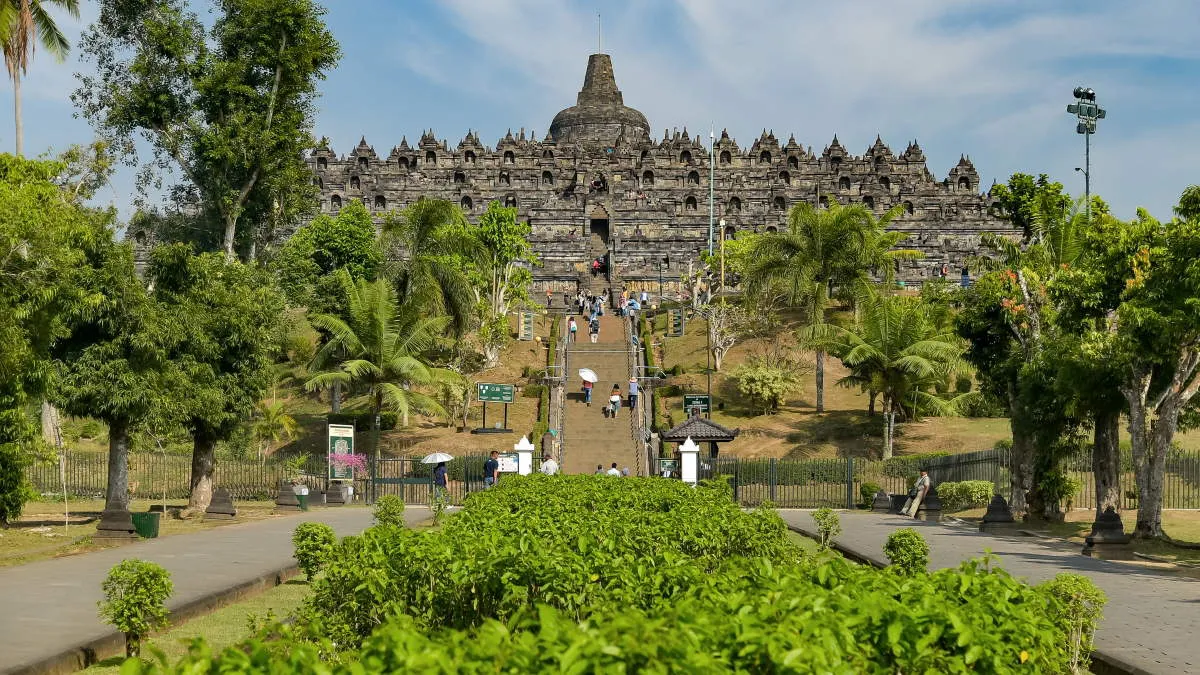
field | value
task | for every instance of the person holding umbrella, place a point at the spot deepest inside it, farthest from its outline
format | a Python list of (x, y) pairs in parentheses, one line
[(439, 471), (589, 379)]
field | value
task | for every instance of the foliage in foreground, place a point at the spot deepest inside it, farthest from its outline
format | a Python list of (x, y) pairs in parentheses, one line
[(570, 574), (908, 551), (314, 542), (135, 593)]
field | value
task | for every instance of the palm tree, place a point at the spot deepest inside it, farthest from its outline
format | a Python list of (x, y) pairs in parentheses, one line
[(378, 351), (820, 248), (900, 352), (23, 24), (434, 243), (273, 425)]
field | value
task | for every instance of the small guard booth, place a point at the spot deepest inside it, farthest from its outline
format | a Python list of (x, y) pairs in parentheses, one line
[(699, 431)]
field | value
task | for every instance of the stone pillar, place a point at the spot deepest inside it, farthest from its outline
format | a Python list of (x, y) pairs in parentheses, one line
[(286, 500), (689, 461), (337, 495), (524, 450), (931, 507), (882, 503), (1108, 540), (221, 507), (999, 516)]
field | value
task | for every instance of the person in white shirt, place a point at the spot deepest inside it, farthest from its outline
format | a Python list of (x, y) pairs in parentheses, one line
[(549, 467), (613, 470)]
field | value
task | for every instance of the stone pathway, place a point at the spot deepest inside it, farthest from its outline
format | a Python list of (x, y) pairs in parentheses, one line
[(589, 438), (49, 607), (1151, 619)]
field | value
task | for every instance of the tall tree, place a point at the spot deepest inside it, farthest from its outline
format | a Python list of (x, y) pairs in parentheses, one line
[(307, 264), (272, 424), (229, 312), (24, 24), (822, 248), (230, 108), (433, 244), (900, 351), (42, 237), (378, 351), (116, 364), (501, 274)]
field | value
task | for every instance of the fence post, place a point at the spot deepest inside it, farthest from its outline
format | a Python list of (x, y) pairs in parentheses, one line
[(849, 482), (773, 479)]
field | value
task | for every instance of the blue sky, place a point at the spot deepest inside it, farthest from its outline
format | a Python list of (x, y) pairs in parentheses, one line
[(989, 79)]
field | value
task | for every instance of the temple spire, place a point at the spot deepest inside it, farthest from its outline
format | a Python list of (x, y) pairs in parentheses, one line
[(599, 42)]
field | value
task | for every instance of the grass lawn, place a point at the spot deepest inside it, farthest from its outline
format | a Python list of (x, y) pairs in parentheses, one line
[(1181, 525), (40, 533), (221, 628)]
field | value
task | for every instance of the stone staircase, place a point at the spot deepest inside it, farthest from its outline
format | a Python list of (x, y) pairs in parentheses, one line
[(589, 438)]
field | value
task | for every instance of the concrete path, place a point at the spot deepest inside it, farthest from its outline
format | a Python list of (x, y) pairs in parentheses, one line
[(590, 438), (1151, 620), (48, 613)]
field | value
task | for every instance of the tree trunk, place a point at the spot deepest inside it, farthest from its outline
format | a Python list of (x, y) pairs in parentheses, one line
[(871, 405), (204, 450), (1021, 460), (20, 125), (1153, 475), (717, 356), (820, 380), (1106, 461), (50, 427), (117, 495), (889, 426), (335, 398), (491, 356), (230, 232)]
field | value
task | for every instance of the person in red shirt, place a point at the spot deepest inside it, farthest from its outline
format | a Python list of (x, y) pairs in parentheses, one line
[(587, 393)]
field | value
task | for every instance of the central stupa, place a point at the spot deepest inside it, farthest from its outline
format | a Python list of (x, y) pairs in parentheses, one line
[(599, 115)]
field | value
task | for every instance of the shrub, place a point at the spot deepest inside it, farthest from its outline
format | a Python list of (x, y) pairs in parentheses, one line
[(135, 593), (867, 492), (1076, 603), (14, 489), (828, 526), (908, 466), (766, 385), (533, 390), (314, 543), (389, 511), (1003, 444), (965, 494), (907, 551)]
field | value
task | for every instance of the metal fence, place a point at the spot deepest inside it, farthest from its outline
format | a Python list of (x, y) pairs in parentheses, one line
[(838, 482)]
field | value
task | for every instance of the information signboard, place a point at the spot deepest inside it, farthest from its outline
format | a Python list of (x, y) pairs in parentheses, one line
[(494, 393), (697, 403), (341, 442), (526, 326), (509, 462)]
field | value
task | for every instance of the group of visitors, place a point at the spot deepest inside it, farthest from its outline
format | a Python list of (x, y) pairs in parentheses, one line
[(573, 329), (614, 398), (612, 470)]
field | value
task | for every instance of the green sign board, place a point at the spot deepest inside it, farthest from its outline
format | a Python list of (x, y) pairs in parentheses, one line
[(341, 442), (494, 393), (696, 402), (526, 326), (675, 323)]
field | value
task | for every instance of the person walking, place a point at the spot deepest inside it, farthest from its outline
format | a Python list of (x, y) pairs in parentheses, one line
[(917, 494), (594, 329), (491, 469), (614, 471), (633, 395), (572, 327), (549, 467), (587, 391), (439, 480), (547, 298), (614, 402)]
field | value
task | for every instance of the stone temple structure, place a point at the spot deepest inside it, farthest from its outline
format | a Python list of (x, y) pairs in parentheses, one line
[(599, 184)]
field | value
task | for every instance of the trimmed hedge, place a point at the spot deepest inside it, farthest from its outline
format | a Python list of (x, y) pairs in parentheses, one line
[(966, 494)]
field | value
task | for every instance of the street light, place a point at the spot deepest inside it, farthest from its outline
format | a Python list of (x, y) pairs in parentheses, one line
[(722, 223), (665, 260), (712, 153), (1087, 112)]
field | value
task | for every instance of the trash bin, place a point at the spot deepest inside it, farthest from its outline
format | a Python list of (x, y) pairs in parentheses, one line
[(303, 499), (146, 524)]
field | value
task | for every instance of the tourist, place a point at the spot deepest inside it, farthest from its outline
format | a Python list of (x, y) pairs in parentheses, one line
[(572, 327), (594, 328), (614, 402), (614, 471), (599, 470), (595, 267), (917, 495), (633, 395), (547, 298), (587, 388), (491, 469), (645, 298), (549, 467), (625, 471), (439, 480)]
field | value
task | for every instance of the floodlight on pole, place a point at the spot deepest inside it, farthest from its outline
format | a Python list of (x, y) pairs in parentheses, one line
[(1087, 113)]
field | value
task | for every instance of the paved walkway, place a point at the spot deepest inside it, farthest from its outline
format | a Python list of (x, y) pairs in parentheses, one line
[(49, 607), (590, 438), (1151, 620)]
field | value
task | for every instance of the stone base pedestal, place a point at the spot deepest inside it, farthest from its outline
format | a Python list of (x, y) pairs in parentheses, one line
[(882, 503), (285, 500), (898, 503), (999, 517), (1108, 540), (317, 499), (221, 507), (929, 515), (337, 495), (116, 525)]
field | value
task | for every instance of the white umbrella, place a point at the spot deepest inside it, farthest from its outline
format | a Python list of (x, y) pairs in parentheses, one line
[(436, 458), (588, 375)]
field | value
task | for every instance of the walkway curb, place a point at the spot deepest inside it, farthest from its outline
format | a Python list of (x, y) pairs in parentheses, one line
[(83, 654), (1102, 663)]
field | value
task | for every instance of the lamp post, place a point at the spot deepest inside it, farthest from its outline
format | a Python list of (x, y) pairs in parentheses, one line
[(664, 260), (1087, 112), (722, 224), (712, 153)]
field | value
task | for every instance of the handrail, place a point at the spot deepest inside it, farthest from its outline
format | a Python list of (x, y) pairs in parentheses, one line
[(559, 393), (635, 416)]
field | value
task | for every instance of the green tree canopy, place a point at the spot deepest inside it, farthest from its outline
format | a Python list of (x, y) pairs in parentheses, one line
[(230, 107), (23, 25), (433, 247), (307, 263)]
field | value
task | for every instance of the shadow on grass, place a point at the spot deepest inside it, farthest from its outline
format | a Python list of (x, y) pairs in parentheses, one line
[(851, 433)]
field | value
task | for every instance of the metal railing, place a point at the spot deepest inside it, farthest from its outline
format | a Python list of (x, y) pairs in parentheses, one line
[(636, 429)]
